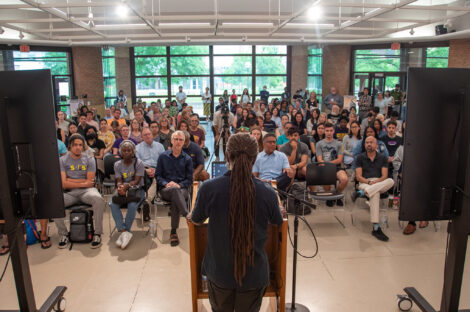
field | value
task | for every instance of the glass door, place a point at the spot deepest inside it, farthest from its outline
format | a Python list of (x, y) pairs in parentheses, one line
[(62, 86)]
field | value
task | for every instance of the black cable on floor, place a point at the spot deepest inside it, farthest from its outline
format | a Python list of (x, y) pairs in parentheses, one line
[(311, 231)]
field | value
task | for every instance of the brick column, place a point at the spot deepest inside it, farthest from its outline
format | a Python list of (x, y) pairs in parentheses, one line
[(459, 53), (299, 67), (336, 68), (88, 75), (123, 73)]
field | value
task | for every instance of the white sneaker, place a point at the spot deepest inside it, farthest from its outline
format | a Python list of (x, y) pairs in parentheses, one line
[(126, 238), (119, 240)]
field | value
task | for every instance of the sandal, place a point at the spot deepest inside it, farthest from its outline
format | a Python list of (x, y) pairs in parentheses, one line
[(45, 243), (423, 224), (174, 240), (5, 250)]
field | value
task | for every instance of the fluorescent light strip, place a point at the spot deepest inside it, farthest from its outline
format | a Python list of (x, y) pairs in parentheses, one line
[(184, 24), (248, 24), (373, 11), (308, 25), (123, 26)]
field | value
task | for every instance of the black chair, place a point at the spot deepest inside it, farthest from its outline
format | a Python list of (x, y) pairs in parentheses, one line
[(319, 174)]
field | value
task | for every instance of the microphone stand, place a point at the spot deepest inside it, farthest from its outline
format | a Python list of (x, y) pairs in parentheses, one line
[(295, 306)]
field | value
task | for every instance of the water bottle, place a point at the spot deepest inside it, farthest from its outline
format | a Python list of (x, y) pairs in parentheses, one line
[(152, 228), (390, 201), (204, 284)]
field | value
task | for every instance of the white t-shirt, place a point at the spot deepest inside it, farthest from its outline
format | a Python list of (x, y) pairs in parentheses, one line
[(206, 97), (180, 96)]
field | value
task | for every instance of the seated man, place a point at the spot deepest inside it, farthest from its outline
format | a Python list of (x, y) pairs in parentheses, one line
[(175, 174), (331, 150), (77, 171), (117, 117), (296, 152), (282, 139), (273, 165), (372, 175), (148, 151), (155, 128), (82, 127), (341, 129), (195, 152), (124, 130)]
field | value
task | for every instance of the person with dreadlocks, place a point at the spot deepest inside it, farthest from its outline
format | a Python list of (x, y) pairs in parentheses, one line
[(235, 263)]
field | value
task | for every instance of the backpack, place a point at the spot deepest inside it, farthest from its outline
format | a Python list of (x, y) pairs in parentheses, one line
[(32, 235), (81, 226)]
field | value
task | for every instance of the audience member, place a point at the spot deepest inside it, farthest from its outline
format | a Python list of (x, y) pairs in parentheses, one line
[(129, 172), (106, 136), (256, 133), (317, 137), (90, 120), (268, 124), (276, 117), (334, 115), (364, 103), (379, 128), (180, 97), (78, 177), (341, 129), (245, 97), (332, 99), (382, 104), (124, 130), (350, 141), (282, 139), (136, 131), (117, 117), (372, 175), (296, 152), (312, 101), (62, 123), (165, 133), (331, 150), (175, 174), (197, 157), (83, 127), (313, 121), (196, 131), (299, 123)]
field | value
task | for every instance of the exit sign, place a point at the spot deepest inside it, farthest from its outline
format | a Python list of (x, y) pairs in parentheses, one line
[(396, 46), (24, 48)]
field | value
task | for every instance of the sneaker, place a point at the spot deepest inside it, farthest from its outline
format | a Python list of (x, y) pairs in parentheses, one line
[(339, 202), (146, 211), (355, 195), (380, 235), (96, 242), (64, 241), (119, 240), (126, 238), (330, 203)]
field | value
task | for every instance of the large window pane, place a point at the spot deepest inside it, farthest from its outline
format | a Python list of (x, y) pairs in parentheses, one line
[(230, 65), (191, 85), (438, 52), (315, 51), (275, 84), (269, 65), (196, 103), (233, 49), (151, 86), (229, 83), (185, 50), (314, 83), (379, 60), (271, 49), (109, 67), (437, 57), (57, 62), (150, 66), (108, 52), (150, 51), (189, 65), (109, 87), (436, 63), (314, 65)]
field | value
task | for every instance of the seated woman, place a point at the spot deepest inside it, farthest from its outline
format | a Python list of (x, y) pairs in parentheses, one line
[(350, 141), (256, 133), (317, 137), (136, 131), (106, 136), (129, 172)]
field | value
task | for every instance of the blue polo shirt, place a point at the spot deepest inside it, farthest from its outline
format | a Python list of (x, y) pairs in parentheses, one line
[(270, 167), (195, 152), (177, 169), (282, 139), (213, 201), (149, 153)]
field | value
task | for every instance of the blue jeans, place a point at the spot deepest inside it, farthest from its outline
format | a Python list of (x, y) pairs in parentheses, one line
[(126, 224)]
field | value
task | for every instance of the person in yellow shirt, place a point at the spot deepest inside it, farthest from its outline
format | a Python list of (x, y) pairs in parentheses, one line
[(117, 117)]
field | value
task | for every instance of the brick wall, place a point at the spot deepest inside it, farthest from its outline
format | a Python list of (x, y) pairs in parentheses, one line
[(336, 68), (459, 53), (88, 75), (123, 73), (299, 67)]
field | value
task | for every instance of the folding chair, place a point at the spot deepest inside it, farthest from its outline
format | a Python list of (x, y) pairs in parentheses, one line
[(319, 174)]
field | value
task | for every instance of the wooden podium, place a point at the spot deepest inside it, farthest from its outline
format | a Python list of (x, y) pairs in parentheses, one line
[(276, 249)]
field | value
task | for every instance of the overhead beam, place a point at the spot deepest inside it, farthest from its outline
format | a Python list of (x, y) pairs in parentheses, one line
[(143, 18), (24, 31), (64, 17), (294, 16)]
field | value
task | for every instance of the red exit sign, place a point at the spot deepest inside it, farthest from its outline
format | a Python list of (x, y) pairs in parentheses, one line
[(24, 48), (396, 46)]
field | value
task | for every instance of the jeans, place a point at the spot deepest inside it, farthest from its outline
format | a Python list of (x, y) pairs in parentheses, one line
[(126, 224)]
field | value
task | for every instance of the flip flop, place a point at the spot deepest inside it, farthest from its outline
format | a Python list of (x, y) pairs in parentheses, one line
[(45, 243), (5, 250), (174, 241)]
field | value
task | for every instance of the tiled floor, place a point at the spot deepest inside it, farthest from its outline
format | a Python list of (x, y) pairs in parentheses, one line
[(352, 272)]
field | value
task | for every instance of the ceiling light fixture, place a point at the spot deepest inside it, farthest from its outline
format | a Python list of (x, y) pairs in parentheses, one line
[(412, 31), (177, 25), (122, 11), (315, 12), (90, 14), (248, 24), (2, 30), (21, 36)]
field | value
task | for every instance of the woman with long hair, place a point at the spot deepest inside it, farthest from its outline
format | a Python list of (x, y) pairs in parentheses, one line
[(136, 131), (299, 122), (312, 102), (317, 137), (106, 136), (313, 121), (256, 133), (226, 97), (284, 108), (245, 97), (350, 141), (165, 132), (276, 117), (240, 121), (239, 207)]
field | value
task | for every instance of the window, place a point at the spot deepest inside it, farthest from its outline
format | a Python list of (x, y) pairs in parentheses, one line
[(159, 71), (379, 60), (109, 75), (314, 79), (437, 57), (59, 64)]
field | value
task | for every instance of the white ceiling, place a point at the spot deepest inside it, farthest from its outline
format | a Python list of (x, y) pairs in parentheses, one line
[(163, 22)]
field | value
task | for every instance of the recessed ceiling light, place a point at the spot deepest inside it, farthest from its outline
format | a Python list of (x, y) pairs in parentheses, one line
[(122, 10)]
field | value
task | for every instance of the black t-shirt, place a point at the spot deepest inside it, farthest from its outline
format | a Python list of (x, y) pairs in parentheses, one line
[(392, 144), (371, 169), (212, 202), (83, 131), (97, 146)]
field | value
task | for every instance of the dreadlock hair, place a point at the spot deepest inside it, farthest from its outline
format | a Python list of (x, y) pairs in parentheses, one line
[(241, 153)]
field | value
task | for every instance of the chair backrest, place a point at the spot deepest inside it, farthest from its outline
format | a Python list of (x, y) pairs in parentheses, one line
[(321, 174), (109, 165)]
